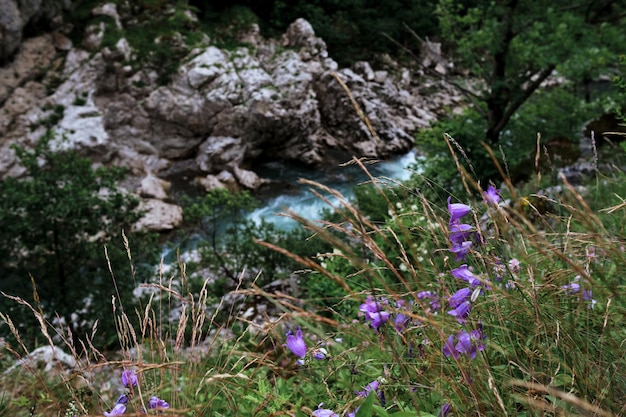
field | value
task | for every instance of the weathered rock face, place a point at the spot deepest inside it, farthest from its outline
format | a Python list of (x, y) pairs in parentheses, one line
[(15, 15), (221, 112)]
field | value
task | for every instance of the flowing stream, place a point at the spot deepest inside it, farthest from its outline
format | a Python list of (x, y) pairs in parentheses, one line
[(287, 193), (284, 192)]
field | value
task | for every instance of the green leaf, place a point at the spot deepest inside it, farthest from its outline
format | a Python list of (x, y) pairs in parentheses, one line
[(380, 411), (366, 408)]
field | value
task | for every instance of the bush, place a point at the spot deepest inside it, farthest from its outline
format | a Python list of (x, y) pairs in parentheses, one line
[(58, 222)]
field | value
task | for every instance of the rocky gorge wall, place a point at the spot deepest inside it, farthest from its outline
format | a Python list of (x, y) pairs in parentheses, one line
[(222, 112)]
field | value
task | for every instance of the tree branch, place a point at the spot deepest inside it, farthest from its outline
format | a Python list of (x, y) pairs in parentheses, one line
[(526, 93)]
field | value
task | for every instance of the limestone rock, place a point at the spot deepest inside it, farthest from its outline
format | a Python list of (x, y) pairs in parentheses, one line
[(108, 9), (210, 182), (11, 25), (46, 359), (248, 178), (220, 152), (33, 59), (153, 187), (222, 111), (159, 216), (15, 15)]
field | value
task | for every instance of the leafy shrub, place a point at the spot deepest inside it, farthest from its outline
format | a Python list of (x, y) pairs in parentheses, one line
[(57, 222)]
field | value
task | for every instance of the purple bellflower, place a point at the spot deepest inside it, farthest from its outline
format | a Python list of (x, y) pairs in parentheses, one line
[(372, 386), (320, 354), (129, 377), (469, 343), (400, 322), (461, 250), (429, 295), (123, 399), (157, 404), (464, 274), (118, 410), (374, 312), (492, 195), (445, 410), (457, 210), (460, 297), (449, 349), (460, 232), (296, 344), (461, 311), (324, 412), (588, 296)]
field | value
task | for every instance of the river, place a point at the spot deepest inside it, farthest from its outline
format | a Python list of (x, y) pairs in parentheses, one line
[(287, 193)]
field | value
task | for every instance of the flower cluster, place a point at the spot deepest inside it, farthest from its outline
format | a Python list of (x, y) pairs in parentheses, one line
[(129, 380), (574, 287), (373, 386), (465, 343), (374, 312)]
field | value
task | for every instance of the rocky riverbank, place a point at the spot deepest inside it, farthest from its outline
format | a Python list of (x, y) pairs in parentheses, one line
[(223, 112)]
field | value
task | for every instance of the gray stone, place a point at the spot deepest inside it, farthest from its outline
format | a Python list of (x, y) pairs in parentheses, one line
[(159, 216)]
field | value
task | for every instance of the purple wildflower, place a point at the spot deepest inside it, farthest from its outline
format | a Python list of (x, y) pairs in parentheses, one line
[(123, 399), (320, 354), (464, 344), (118, 410), (448, 348), (156, 403), (573, 287), (374, 312), (400, 322), (468, 344), (460, 232), (514, 266), (323, 412), (129, 377), (445, 410), (434, 299), (461, 311), (459, 297), (457, 210), (296, 343), (463, 273), (461, 250), (492, 195), (588, 296), (372, 386)]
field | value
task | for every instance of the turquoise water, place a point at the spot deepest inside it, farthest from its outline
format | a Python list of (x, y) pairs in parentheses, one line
[(287, 193)]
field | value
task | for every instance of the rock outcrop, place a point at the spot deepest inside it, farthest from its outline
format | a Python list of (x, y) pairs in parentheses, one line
[(221, 113), (16, 15)]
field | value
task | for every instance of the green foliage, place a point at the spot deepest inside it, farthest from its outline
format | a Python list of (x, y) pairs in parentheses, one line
[(440, 175), (520, 45), (557, 114), (159, 32), (228, 241), (355, 30), (56, 222)]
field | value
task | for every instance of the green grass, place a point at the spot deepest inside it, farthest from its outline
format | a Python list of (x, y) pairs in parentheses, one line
[(546, 351)]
